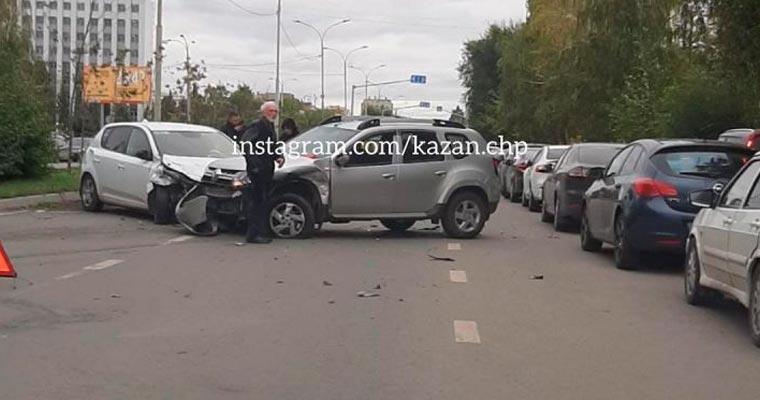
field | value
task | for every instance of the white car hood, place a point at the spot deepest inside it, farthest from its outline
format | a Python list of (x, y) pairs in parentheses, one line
[(192, 167)]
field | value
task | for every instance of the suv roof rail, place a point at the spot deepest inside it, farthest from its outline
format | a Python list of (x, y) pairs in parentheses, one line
[(370, 123), (332, 120), (448, 124)]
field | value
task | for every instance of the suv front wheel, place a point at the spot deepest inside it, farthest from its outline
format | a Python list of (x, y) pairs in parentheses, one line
[(464, 216), (291, 217)]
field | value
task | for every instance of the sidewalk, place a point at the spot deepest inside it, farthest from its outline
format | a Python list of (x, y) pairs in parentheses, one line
[(31, 201)]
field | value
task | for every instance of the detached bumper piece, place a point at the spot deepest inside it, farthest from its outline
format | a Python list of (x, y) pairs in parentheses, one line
[(205, 210)]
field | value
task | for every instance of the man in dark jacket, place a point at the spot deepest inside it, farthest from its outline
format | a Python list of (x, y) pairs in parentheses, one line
[(259, 145), (234, 127)]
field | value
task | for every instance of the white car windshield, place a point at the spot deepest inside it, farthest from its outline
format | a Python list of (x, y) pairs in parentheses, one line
[(194, 143)]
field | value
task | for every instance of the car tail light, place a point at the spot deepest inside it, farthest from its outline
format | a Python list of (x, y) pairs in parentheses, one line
[(496, 162), (648, 187), (542, 168), (579, 172), (522, 166), (752, 140)]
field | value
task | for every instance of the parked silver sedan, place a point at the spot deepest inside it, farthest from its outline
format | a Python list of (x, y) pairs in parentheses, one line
[(723, 251)]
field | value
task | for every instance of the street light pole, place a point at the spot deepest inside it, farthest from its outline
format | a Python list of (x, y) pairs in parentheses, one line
[(345, 73), (366, 81), (188, 72), (322, 35), (277, 93), (157, 65)]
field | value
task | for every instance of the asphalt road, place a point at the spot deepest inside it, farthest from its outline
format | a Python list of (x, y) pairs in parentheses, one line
[(111, 306)]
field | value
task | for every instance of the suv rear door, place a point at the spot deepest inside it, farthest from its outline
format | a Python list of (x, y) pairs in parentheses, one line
[(422, 172), (366, 186)]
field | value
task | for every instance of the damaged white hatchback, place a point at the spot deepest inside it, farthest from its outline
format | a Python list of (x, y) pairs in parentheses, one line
[(149, 166)]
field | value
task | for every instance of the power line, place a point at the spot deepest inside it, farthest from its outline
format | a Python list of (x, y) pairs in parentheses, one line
[(290, 41), (258, 14)]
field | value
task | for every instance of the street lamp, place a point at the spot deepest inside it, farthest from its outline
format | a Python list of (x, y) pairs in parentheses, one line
[(345, 72), (366, 73), (187, 43), (322, 35)]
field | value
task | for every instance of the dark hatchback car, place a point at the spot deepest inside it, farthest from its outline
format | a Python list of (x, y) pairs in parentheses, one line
[(749, 138), (575, 171), (641, 203)]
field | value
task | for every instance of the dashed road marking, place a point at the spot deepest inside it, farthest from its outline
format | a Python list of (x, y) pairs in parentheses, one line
[(94, 267), (103, 265), (466, 332), (9, 213), (455, 246), (458, 276), (179, 239)]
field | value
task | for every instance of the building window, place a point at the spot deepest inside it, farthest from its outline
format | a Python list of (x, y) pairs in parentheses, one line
[(135, 24), (135, 8), (27, 4), (93, 38), (134, 54), (38, 50), (80, 21), (107, 23), (94, 23), (80, 37), (80, 6), (120, 38), (40, 4), (121, 23), (53, 21), (66, 21), (122, 8), (107, 7), (40, 34), (66, 37), (135, 38), (94, 6), (67, 6), (53, 5), (107, 39)]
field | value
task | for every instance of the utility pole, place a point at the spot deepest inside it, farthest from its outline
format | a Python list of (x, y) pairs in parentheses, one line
[(277, 93), (366, 82), (345, 73), (157, 65)]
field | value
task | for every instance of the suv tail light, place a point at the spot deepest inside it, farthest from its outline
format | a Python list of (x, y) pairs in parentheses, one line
[(579, 172), (753, 140), (648, 187)]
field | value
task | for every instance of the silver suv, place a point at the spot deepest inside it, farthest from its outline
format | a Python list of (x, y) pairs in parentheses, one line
[(459, 190)]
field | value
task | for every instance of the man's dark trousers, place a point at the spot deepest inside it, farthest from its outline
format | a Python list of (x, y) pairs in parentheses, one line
[(258, 197)]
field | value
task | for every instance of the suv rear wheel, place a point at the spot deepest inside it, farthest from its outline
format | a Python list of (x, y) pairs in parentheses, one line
[(397, 225), (464, 216), (291, 217)]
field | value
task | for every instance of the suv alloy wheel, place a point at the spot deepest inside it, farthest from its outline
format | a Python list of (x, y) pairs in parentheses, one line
[(464, 216)]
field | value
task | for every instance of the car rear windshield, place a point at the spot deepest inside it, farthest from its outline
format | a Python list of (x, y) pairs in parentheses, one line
[(597, 155), (708, 163), (555, 154), (194, 144), (322, 138)]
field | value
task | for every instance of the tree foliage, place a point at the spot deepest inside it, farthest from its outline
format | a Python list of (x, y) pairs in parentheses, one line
[(25, 103), (617, 70)]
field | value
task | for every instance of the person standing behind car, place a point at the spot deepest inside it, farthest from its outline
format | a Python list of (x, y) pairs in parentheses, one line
[(288, 129), (259, 144), (234, 127)]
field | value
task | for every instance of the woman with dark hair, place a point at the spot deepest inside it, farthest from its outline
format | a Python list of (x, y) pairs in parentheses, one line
[(288, 129)]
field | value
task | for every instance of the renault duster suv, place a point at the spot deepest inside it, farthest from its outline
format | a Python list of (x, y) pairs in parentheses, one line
[(458, 189)]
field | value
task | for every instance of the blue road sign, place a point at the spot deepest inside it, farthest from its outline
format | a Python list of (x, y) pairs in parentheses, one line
[(424, 104), (419, 79)]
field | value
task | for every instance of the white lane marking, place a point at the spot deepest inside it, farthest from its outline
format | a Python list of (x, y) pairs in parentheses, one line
[(179, 239), (458, 276), (94, 267), (69, 276), (466, 332), (103, 265), (455, 246)]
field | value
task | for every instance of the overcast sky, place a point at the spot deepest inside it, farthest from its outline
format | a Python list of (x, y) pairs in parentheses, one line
[(422, 36)]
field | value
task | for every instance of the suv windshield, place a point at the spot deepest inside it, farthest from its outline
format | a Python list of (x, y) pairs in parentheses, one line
[(716, 164), (322, 138), (194, 144)]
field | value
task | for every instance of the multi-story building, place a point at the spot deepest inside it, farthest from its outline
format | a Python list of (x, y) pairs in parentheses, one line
[(104, 31), (377, 106)]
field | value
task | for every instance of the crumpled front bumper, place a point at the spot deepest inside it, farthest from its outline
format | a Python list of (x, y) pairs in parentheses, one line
[(205, 210)]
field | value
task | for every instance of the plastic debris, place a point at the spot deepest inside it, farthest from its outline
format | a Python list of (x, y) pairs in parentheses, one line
[(365, 294)]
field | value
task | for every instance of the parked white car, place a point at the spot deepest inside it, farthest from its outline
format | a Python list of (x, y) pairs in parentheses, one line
[(148, 166), (540, 168), (722, 249)]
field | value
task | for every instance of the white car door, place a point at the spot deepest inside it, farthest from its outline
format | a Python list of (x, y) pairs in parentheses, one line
[(743, 239), (107, 161), (138, 161), (716, 255)]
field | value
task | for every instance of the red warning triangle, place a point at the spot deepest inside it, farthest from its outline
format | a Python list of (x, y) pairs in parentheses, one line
[(6, 268)]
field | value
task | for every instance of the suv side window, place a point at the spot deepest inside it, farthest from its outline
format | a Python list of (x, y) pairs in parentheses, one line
[(616, 164), (734, 197), (630, 164), (458, 145), (421, 146), (116, 139), (372, 150), (138, 145)]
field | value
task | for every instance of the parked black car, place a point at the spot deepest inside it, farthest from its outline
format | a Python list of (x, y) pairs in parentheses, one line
[(563, 191), (641, 203)]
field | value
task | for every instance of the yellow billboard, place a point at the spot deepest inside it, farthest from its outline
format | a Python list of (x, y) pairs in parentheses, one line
[(117, 85)]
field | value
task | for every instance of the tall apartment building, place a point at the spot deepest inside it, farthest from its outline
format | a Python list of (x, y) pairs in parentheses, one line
[(116, 30)]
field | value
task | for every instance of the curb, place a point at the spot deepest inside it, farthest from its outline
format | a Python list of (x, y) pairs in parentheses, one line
[(31, 201)]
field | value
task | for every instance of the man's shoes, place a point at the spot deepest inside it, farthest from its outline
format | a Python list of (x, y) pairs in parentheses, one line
[(259, 240)]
